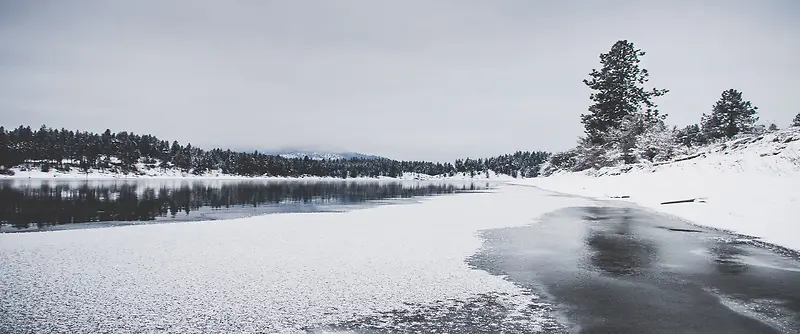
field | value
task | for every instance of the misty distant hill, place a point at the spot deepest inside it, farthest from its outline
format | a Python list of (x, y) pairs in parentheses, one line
[(289, 154)]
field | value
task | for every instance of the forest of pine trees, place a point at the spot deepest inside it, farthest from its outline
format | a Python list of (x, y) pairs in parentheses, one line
[(63, 150)]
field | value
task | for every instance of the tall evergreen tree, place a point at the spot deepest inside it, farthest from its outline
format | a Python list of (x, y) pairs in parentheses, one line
[(618, 92), (6, 155), (730, 116), (796, 121)]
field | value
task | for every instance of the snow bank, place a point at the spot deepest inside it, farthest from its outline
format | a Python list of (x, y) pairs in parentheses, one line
[(274, 273), (752, 186)]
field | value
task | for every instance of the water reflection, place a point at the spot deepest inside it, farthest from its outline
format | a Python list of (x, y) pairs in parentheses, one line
[(24, 206), (615, 248), (627, 270), (728, 258)]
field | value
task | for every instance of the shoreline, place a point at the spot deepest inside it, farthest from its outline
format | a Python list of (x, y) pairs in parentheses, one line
[(174, 175), (730, 202)]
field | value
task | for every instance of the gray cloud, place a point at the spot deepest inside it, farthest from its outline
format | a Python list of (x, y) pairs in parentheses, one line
[(411, 80)]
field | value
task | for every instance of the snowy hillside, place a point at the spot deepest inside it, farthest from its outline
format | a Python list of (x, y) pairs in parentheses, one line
[(776, 153), (749, 185)]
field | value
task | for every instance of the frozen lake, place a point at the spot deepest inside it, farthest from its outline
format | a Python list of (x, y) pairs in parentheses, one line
[(511, 259), (36, 205)]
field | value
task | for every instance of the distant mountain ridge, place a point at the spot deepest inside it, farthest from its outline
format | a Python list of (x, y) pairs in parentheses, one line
[(314, 155)]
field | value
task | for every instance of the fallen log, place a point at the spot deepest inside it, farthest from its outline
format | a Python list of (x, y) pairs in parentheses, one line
[(679, 201), (689, 157)]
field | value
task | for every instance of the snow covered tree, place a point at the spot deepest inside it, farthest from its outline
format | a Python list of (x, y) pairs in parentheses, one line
[(758, 129), (796, 121), (773, 127), (618, 92), (731, 115), (657, 143), (638, 138), (689, 136), (711, 126), (6, 154)]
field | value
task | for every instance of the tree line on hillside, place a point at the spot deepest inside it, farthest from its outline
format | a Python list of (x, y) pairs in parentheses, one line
[(126, 152), (624, 125)]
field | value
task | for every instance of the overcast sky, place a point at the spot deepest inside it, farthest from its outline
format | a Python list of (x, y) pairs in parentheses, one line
[(420, 79)]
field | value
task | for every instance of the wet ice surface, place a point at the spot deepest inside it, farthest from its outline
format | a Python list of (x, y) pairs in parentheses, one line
[(625, 270)]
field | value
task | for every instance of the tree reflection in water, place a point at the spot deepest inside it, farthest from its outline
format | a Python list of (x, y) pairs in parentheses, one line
[(66, 203), (616, 247)]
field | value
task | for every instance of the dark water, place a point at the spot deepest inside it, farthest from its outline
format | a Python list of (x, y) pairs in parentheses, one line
[(50, 205), (627, 270)]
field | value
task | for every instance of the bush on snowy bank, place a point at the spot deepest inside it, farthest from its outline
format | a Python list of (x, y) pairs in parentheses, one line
[(635, 141)]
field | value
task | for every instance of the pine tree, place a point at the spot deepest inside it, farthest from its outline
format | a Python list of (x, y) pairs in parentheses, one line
[(773, 127), (730, 116), (618, 92), (689, 136), (711, 126), (796, 121), (6, 156)]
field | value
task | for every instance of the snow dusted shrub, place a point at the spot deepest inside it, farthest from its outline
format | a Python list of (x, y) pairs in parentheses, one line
[(622, 141), (559, 161), (584, 156), (638, 139), (657, 143), (592, 156), (690, 136), (758, 129)]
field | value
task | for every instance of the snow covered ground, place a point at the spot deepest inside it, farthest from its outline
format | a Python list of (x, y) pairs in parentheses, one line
[(751, 186), (274, 273)]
